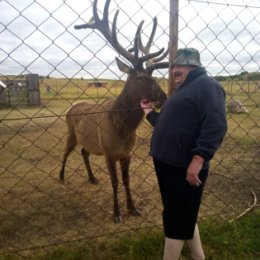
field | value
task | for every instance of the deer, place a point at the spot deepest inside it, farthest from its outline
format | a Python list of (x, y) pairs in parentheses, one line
[(109, 128)]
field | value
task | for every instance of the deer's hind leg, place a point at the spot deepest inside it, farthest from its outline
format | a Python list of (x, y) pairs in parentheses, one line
[(70, 145), (85, 155), (124, 163)]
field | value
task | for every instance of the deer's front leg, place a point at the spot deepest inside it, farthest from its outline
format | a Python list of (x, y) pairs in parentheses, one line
[(111, 164), (124, 163)]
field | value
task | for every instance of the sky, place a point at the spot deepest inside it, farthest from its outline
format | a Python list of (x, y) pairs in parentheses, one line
[(38, 36)]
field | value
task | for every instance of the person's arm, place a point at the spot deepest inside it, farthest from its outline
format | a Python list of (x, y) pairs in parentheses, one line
[(213, 127), (212, 131)]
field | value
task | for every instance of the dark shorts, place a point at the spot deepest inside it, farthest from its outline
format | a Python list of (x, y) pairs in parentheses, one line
[(181, 201)]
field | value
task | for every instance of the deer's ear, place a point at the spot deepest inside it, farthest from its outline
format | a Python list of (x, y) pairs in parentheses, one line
[(122, 66)]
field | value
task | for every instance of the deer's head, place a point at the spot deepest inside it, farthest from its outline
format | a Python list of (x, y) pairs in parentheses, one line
[(139, 73)]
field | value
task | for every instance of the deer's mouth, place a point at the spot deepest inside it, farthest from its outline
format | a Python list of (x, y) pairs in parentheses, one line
[(159, 103)]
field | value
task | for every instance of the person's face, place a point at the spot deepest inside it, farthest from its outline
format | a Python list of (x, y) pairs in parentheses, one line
[(180, 73)]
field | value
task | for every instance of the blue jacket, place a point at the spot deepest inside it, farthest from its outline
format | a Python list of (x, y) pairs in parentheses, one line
[(191, 122)]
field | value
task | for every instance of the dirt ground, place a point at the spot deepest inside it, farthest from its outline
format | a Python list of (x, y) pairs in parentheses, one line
[(37, 211)]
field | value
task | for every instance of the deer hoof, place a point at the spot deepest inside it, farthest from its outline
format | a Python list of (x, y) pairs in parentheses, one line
[(135, 212), (93, 181), (117, 219)]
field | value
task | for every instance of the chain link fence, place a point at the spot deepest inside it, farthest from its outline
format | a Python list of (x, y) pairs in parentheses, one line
[(38, 37)]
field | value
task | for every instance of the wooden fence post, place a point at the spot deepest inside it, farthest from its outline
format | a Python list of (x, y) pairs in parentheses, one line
[(173, 41), (33, 89)]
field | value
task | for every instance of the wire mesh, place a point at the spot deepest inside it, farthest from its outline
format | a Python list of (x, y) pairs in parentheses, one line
[(38, 37)]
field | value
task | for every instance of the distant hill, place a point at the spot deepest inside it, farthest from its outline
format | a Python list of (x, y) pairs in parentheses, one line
[(242, 76)]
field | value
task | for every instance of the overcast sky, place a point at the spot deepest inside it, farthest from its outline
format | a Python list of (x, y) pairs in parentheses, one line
[(39, 36)]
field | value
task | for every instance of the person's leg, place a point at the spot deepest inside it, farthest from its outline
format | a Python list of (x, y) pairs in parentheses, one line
[(172, 249), (195, 246), (180, 207)]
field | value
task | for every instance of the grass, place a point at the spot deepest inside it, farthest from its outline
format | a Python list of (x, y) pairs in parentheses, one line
[(239, 240), (24, 131)]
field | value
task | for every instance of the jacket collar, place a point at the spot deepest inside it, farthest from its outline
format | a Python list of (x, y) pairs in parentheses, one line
[(194, 74)]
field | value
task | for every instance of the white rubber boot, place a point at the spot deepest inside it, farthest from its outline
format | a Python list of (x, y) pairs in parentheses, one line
[(195, 246), (172, 248)]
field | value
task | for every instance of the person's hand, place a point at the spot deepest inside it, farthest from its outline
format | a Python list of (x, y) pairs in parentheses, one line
[(146, 105), (193, 170)]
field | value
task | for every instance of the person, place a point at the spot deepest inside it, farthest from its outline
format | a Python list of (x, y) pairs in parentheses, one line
[(187, 132)]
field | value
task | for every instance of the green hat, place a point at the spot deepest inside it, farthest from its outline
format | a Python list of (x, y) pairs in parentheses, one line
[(187, 56)]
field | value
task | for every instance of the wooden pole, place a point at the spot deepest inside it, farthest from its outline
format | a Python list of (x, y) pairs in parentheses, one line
[(33, 89), (173, 40)]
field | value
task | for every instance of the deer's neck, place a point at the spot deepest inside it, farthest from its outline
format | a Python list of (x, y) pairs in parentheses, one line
[(126, 114)]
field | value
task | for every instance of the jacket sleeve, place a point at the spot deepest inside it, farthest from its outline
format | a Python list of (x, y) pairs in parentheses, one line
[(212, 113), (152, 117)]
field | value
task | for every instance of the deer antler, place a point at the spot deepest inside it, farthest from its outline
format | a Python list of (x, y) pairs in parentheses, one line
[(155, 63), (146, 49), (103, 26)]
